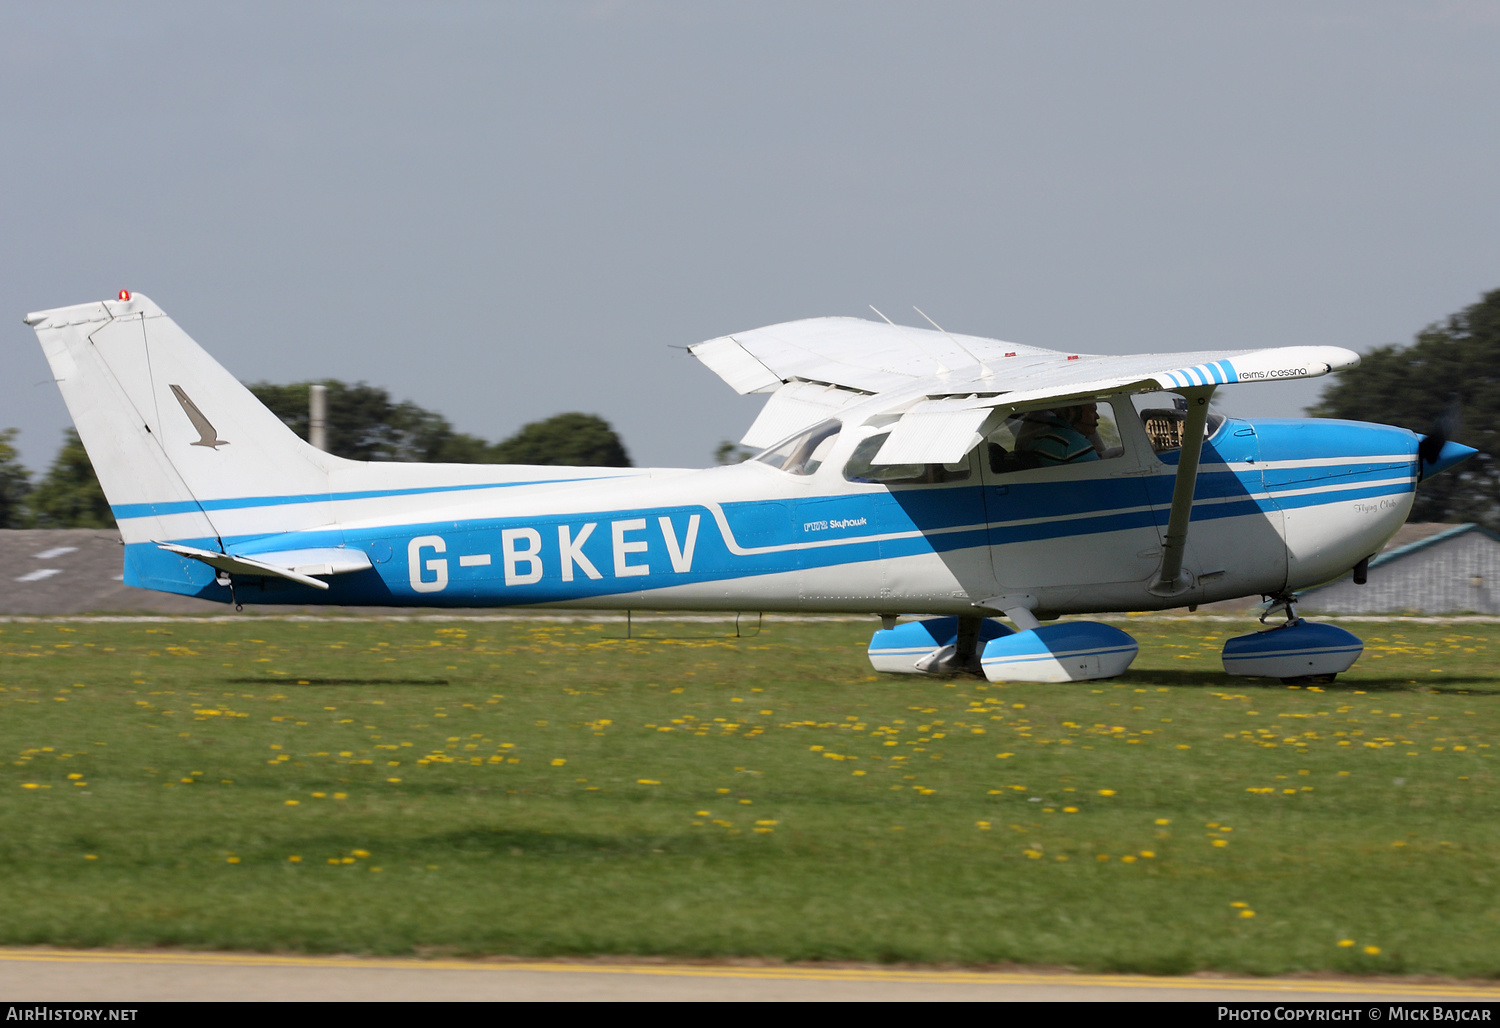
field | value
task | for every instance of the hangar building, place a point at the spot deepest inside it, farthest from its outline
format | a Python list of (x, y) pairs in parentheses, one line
[(1426, 568)]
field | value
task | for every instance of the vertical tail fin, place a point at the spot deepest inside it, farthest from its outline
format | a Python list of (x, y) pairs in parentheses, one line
[(174, 438)]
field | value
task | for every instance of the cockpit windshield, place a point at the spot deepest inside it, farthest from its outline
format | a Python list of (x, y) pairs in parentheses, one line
[(805, 452)]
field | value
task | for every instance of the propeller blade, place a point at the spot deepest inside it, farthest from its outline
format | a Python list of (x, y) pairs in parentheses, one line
[(1444, 427)]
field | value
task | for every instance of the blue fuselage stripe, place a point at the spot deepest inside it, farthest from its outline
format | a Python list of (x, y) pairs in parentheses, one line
[(146, 510)]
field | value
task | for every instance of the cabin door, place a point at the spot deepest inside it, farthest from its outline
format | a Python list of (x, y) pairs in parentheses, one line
[(1066, 499)]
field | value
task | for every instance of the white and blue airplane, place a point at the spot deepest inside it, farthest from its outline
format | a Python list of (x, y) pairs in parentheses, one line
[(905, 471)]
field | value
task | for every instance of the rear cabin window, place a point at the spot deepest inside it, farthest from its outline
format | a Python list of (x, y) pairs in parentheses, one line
[(1076, 434), (859, 468)]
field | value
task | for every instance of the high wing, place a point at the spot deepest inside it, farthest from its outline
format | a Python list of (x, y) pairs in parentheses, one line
[(946, 385), (945, 388)]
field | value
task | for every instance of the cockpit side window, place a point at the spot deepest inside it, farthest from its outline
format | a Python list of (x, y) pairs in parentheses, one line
[(1164, 416), (1064, 435), (859, 468), (804, 452)]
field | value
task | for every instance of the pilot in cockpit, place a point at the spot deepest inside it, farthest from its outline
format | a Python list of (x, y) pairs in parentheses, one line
[(1065, 435)]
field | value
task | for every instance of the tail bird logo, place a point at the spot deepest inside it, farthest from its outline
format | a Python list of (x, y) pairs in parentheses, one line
[(207, 434)]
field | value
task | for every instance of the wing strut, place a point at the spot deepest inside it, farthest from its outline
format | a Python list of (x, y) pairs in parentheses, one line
[(1171, 580)]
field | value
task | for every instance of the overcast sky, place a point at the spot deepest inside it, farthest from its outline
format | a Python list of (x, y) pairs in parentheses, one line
[(506, 210)]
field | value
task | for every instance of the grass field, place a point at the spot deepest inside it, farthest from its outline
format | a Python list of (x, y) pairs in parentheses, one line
[(542, 788)]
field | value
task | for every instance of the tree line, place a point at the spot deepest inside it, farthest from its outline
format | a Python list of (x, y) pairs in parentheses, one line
[(364, 423), (1411, 386)]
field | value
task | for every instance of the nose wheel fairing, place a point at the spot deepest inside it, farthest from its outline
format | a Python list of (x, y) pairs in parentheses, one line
[(1294, 651)]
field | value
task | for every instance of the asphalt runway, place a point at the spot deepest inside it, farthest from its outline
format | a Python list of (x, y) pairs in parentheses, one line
[(50, 975)]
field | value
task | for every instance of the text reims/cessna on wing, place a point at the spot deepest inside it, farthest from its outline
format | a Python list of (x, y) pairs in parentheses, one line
[(906, 471)]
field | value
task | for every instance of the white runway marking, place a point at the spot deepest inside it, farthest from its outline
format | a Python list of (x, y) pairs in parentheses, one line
[(39, 574)]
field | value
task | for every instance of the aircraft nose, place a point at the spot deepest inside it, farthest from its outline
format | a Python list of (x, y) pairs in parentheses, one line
[(1451, 454)]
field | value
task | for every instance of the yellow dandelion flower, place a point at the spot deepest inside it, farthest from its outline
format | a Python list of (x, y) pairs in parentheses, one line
[(1346, 943), (1247, 913), (294, 859), (1373, 951), (1106, 792), (293, 803)]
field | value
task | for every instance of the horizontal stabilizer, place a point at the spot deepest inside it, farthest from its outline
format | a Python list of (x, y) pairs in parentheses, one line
[(295, 565)]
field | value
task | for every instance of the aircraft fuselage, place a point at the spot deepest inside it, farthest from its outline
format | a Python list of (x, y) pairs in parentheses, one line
[(1279, 505)]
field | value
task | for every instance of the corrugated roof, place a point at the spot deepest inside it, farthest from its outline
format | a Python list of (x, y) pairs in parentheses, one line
[(1443, 533)]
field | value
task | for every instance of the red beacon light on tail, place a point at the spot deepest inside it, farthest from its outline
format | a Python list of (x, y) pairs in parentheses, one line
[(124, 294)]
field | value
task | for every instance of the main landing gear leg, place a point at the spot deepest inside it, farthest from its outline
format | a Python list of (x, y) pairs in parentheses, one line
[(961, 656), (936, 646), (1072, 652)]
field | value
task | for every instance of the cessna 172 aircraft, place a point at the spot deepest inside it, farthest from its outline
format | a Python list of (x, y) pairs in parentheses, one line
[(905, 471)]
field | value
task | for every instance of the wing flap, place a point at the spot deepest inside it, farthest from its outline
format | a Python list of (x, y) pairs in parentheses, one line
[(795, 406), (932, 434)]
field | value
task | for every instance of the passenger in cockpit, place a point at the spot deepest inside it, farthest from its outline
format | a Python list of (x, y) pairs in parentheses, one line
[(1066, 435)]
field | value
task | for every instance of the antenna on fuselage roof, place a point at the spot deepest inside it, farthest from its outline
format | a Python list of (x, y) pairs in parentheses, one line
[(943, 369), (984, 369)]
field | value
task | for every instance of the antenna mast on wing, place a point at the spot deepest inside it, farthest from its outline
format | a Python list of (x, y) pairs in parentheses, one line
[(943, 369), (984, 369)]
